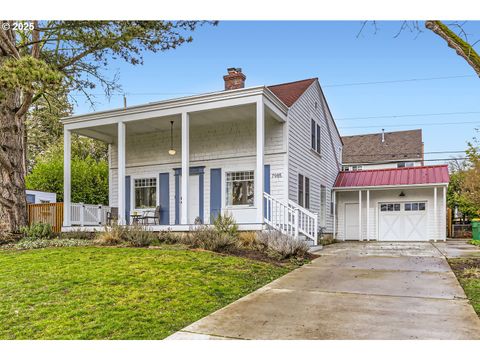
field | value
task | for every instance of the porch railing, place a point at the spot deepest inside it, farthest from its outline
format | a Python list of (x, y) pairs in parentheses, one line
[(290, 218), (88, 215)]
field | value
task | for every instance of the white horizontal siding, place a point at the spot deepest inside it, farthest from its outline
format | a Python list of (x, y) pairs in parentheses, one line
[(435, 230), (320, 169), (226, 145)]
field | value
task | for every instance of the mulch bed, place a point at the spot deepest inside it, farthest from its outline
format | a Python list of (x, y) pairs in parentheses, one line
[(462, 264), (259, 256)]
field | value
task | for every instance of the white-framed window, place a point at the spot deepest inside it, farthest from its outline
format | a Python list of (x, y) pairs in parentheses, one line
[(240, 188), (323, 205), (405, 164), (352, 167), (303, 191), (315, 134), (145, 193)]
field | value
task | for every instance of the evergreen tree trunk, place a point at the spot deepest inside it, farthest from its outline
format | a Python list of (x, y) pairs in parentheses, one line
[(13, 205)]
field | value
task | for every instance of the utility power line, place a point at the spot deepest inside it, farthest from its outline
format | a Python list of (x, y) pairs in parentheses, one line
[(411, 153), (380, 82), (407, 115), (398, 81), (403, 125)]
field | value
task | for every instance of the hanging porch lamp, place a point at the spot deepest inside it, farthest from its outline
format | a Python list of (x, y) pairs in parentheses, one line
[(172, 150)]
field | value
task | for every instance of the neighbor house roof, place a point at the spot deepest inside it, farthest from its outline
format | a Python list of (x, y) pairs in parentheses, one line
[(288, 93), (369, 148), (417, 175)]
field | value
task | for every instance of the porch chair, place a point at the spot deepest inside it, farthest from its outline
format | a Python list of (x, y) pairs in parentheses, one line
[(112, 215), (155, 216)]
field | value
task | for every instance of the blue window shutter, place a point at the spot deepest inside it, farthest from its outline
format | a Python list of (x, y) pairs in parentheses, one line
[(164, 199), (127, 199), (266, 188), (215, 192)]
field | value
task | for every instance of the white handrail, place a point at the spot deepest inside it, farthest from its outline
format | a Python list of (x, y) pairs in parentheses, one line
[(289, 218)]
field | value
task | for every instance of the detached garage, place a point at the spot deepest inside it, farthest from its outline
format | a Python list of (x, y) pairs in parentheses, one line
[(399, 204)]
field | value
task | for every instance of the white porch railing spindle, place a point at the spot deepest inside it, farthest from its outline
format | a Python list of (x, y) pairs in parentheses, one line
[(290, 219), (88, 215)]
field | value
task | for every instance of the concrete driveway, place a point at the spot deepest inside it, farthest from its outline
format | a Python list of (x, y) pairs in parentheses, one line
[(355, 290)]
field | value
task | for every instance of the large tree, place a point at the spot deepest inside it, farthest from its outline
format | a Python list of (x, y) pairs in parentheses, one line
[(38, 59)]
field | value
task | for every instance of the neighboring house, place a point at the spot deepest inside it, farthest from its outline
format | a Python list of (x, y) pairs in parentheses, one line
[(268, 155), (40, 197), (383, 150)]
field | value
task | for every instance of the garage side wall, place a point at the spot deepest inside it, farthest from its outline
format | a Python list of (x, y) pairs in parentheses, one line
[(391, 196)]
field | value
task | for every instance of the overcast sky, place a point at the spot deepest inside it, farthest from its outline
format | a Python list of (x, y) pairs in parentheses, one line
[(276, 52)]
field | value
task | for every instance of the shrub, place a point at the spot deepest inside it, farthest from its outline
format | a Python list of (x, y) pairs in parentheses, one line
[(326, 240), (113, 235), (225, 224), (247, 240), (28, 244), (204, 237), (78, 234), (138, 236), (135, 235), (168, 237), (37, 231), (280, 246)]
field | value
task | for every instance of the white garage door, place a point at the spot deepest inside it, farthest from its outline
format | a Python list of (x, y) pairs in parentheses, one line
[(403, 221)]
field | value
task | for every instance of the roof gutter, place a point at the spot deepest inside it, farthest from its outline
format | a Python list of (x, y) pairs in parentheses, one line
[(386, 187)]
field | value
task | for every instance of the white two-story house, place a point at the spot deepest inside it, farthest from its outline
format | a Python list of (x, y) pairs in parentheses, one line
[(267, 155)]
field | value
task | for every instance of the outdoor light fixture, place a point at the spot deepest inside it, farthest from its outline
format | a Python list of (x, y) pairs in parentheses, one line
[(402, 194), (172, 150)]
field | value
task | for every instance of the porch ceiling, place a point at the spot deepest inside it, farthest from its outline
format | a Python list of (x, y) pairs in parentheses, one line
[(108, 133)]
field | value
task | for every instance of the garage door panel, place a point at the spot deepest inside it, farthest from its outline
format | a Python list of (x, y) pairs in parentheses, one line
[(405, 221)]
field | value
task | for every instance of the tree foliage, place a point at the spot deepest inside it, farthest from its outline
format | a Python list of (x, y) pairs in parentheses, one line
[(464, 187), (89, 177), (51, 57)]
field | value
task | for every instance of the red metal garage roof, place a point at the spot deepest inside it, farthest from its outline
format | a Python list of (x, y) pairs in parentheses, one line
[(418, 175)]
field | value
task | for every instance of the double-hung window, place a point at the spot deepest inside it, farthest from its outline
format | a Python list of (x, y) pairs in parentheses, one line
[(145, 193), (315, 134), (303, 191), (240, 188)]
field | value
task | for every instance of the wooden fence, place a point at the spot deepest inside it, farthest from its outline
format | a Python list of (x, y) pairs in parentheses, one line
[(51, 213)]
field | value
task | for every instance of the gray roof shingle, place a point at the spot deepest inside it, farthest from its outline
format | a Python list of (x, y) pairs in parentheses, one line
[(369, 148)]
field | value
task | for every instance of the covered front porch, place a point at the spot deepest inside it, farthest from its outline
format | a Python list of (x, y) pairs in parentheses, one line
[(228, 146)]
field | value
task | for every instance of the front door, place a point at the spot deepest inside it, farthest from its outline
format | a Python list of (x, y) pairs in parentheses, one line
[(351, 222)]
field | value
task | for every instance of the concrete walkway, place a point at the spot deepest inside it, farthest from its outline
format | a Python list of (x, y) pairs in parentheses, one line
[(355, 290)]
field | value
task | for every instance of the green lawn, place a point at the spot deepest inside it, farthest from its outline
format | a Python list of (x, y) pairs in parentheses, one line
[(118, 293), (467, 271)]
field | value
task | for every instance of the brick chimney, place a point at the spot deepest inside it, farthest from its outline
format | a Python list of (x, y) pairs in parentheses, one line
[(235, 79)]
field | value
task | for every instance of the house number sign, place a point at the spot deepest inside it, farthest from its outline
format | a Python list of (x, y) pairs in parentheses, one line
[(277, 175)]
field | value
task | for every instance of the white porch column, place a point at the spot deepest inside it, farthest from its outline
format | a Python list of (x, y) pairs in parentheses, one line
[(444, 212), (368, 215), (334, 204), (121, 173), (259, 173), (67, 182), (435, 217), (360, 215), (185, 167)]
